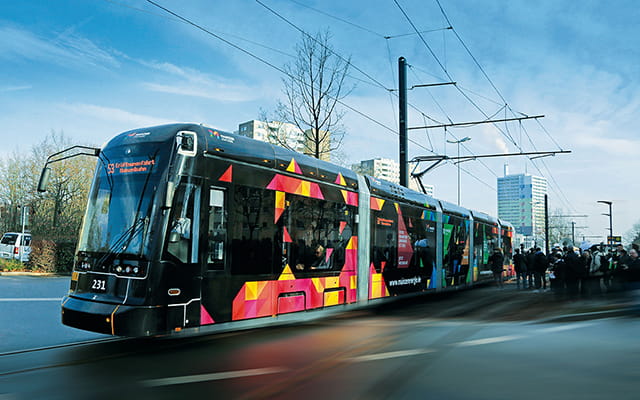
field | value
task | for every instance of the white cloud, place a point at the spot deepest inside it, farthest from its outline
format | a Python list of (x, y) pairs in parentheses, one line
[(7, 89), (114, 115), (194, 83), (68, 50)]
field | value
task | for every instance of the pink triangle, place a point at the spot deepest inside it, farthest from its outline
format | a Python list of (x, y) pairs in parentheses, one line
[(328, 255), (205, 318)]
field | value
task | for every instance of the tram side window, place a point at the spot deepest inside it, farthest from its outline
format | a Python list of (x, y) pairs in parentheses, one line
[(422, 233), (217, 233), (183, 228), (252, 234), (456, 250), (384, 237), (319, 231)]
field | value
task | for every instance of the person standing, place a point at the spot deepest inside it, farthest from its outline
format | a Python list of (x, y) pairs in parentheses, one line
[(540, 265), (573, 270), (530, 258), (595, 272), (520, 265), (496, 261)]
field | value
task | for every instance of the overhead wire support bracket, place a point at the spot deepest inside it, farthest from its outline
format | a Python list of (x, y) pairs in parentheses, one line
[(438, 159), (433, 84), (488, 121)]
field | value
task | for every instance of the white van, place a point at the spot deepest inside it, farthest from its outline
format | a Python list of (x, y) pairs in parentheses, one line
[(16, 245)]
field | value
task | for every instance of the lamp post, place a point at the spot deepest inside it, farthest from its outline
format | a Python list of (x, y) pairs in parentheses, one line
[(464, 139), (610, 238)]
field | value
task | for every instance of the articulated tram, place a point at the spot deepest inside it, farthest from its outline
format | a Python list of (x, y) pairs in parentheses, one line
[(191, 229)]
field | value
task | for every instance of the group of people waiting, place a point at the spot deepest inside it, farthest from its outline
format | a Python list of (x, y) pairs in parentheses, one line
[(574, 272)]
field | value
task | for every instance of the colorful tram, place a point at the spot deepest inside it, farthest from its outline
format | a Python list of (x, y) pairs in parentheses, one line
[(191, 229)]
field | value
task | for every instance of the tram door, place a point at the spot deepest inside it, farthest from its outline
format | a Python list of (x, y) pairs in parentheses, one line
[(183, 276)]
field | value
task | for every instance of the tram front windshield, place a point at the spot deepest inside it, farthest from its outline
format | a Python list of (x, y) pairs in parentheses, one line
[(121, 201)]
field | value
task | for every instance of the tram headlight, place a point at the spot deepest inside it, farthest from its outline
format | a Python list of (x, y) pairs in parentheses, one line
[(136, 270), (118, 269)]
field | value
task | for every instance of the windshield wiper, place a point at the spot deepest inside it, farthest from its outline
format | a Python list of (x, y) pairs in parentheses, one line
[(125, 238)]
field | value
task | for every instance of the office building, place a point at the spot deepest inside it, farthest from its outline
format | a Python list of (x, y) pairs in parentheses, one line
[(521, 202)]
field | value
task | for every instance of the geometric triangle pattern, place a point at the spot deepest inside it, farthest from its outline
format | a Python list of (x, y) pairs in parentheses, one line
[(205, 317), (295, 186), (376, 204), (294, 167), (351, 198), (228, 175), (377, 285), (280, 203), (262, 298)]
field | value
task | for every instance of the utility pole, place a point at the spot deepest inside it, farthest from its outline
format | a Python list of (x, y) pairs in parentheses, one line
[(402, 114), (546, 224), (610, 238)]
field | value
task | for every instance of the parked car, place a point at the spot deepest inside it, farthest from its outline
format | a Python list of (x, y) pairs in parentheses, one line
[(16, 245)]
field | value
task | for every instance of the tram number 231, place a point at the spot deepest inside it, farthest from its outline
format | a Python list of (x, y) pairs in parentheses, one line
[(99, 285)]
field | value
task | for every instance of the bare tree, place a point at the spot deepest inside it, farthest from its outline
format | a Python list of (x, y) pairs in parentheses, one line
[(633, 235), (313, 88)]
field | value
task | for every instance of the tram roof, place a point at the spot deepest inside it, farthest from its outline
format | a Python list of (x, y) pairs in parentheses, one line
[(383, 188), (484, 217), (243, 148), (454, 209)]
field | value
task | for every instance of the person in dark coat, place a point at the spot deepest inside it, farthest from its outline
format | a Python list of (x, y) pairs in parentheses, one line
[(573, 272), (530, 257), (520, 265), (540, 265), (496, 261)]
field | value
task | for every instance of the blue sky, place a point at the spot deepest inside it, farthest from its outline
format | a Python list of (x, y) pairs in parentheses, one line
[(96, 68)]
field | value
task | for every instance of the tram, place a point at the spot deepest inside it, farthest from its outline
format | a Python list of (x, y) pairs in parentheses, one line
[(192, 229)]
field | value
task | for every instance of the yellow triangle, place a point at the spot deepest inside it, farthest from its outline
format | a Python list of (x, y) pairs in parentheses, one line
[(293, 167), (286, 275)]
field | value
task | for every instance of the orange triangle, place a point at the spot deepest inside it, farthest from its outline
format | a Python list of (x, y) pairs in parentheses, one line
[(285, 235), (227, 176)]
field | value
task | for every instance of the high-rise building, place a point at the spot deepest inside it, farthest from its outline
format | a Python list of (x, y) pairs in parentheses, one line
[(521, 202), (387, 169), (287, 135)]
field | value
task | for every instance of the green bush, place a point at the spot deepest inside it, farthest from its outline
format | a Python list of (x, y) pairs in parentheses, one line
[(10, 264), (65, 252)]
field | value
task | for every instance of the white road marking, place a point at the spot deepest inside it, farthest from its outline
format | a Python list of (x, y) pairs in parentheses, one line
[(216, 376), (31, 299), (564, 327), (365, 358), (497, 339), (391, 354)]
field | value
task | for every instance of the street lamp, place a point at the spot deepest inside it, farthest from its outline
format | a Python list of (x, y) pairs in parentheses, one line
[(464, 139), (610, 238)]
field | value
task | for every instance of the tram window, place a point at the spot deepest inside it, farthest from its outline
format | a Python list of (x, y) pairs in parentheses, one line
[(217, 233), (252, 233), (456, 249), (384, 236), (319, 231), (182, 229)]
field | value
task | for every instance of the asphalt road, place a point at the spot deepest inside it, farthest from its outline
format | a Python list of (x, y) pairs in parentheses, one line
[(480, 344), (30, 313)]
